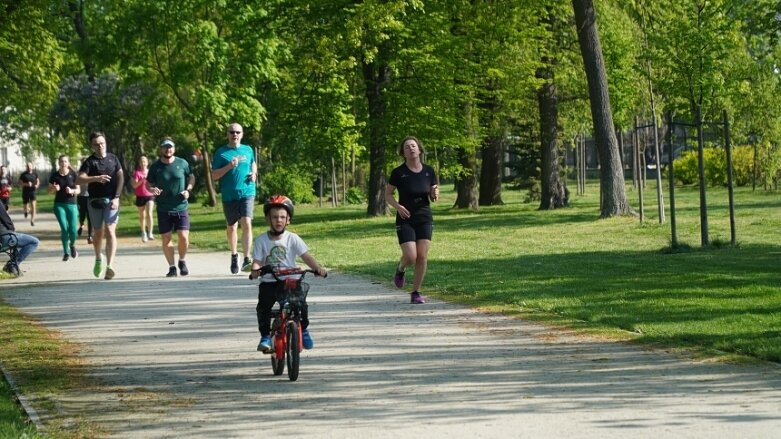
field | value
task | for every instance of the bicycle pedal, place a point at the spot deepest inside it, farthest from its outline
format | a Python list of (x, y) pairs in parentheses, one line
[(268, 351)]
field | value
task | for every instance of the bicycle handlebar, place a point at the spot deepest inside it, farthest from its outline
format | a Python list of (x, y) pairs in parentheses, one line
[(284, 271)]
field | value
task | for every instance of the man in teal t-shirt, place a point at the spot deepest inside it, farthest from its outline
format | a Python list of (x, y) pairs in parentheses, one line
[(234, 166), (171, 180)]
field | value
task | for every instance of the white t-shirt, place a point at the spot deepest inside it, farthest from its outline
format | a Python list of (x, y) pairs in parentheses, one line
[(279, 253)]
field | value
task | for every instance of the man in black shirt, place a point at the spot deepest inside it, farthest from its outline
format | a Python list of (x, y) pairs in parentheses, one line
[(29, 182), (103, 174)]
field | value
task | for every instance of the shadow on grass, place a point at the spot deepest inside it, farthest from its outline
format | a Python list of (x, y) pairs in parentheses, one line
[(727, 299)]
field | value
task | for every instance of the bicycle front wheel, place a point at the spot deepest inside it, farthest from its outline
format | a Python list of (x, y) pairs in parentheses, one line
[(278, 356), (293, 350)]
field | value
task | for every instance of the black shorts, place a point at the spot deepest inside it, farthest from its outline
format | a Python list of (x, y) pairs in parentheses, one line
[(28, 194), (170, 221), (141, 201), (408, 231)]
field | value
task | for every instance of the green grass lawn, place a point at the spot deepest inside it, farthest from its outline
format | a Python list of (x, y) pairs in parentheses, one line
[(615, 278)]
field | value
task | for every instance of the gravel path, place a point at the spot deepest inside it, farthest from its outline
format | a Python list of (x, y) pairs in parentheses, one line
[(176, 358)]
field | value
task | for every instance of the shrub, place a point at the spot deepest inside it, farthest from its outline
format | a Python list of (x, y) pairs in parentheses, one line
[(355, 196), (715, 164), (291, 181)]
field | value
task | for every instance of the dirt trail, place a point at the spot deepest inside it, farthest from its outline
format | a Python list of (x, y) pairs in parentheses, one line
[(176, 358)]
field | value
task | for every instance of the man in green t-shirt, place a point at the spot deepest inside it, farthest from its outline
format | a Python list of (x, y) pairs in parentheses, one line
[(171, 180)]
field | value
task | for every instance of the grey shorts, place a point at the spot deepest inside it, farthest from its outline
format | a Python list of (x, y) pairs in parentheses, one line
[(237, 209), (100, 212)]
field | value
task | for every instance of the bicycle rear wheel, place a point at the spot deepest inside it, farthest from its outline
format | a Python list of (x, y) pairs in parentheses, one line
[(293, 350)]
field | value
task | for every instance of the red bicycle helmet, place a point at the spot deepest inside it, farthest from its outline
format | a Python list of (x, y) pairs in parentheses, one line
[(278, 201)]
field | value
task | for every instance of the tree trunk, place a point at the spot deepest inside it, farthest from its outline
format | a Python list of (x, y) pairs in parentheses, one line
[(207, 165), (491, 172), (553, 192), (76, 9), (611, 176), (466, 185), (376, 76)]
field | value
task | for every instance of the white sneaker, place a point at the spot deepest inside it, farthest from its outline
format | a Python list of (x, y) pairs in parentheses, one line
[(151, 236), (143, 237)]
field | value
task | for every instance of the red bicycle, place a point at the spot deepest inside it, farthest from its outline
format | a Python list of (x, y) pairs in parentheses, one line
[(286, 338)]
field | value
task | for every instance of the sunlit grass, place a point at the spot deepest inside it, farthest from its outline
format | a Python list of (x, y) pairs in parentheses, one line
[(614, 276), (45, 365)]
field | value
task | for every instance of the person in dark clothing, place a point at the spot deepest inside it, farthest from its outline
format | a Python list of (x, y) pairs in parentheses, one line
[(63, 184), (29, 182), (102, 174), (417, 184), (26, 244)]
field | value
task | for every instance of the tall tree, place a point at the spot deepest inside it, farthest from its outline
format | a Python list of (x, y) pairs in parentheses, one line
[(211, 59), (31, 58), (553, 191), (495, 45), (614, 201)]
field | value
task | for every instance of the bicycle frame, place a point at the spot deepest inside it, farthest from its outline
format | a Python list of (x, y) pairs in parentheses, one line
[(286, 331)]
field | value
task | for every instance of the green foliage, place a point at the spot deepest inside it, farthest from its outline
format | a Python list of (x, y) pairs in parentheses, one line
[(715, 165), (693, 45), (621, 47), (293, 73), (355, 196), (290, 181), (31, 56)]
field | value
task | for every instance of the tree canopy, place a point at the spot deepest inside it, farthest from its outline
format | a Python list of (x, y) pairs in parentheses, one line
[(324, 83)]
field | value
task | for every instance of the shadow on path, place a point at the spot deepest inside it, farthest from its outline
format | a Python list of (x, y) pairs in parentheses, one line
[(176, 357)]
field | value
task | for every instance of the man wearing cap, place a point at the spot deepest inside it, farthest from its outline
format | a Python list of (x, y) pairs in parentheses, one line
[(103, 175), (234, 166), (171, 180)]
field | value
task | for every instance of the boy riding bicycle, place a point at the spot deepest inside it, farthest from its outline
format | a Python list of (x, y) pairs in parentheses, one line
[(278, 248)]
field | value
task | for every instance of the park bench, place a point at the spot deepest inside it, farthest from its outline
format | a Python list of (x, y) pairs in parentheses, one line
[(9, 244)]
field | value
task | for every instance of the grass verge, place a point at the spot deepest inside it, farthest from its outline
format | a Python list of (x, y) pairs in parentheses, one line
[(42, 364)]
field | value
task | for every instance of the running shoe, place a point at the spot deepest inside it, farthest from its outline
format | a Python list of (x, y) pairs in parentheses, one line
[(143, 237), (307, 339), (171, 272), (265, 344), (81, 230), (65, 257), (234, 263), (74, 253), (150, 236), (183, 268), (416, 298), (109, 273), (12, 269), (398, 279), (247, 265), (89, 239), (98, 268)]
